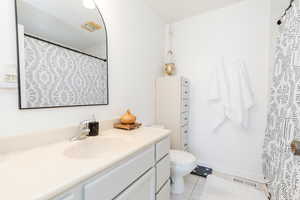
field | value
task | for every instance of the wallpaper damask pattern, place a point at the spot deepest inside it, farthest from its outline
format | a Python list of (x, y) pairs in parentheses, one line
[(280, 165), (55, 76)]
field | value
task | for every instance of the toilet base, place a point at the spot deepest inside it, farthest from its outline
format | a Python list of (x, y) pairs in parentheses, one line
[(177, 186)]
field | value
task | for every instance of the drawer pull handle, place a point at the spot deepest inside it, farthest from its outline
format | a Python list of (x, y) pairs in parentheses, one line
[(185, 105), (185, 131), (185, 118)]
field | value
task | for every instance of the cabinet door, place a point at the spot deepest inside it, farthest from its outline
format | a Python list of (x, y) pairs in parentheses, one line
[(185, 93), (68, 197), (108, 186), (162, 148), (185, 105), (73, 194), (162, 172), (142, 189), (164, 193)]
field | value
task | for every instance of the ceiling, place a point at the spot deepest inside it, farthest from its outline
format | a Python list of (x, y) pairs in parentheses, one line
[(174, 10)]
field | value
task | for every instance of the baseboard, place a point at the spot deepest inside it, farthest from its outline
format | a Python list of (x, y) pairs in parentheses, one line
[(241, 180), (258, 177)]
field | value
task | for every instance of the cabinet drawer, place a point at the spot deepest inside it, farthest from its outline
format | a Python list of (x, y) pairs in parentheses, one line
[(66, 197), (185, 105), (108, 186), (184, 130), (73, 194), (142, 189), (184, 118), (185, 93), (162, 172), (164, 193), (185, 140), (162, 148), (185, 82)]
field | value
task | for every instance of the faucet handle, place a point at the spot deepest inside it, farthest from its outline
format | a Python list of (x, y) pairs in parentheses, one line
[(84, 124)]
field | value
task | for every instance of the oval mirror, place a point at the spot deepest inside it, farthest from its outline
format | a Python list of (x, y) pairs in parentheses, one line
[(62, 48)]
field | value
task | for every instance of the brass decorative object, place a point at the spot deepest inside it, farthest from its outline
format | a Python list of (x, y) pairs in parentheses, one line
[(128, 122), (128, 118), (169, 69)]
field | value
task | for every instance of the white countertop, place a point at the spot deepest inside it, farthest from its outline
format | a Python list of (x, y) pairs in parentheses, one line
[(44, 172)]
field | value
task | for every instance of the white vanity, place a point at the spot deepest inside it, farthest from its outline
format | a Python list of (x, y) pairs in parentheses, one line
[(118, 165), (140, 177)]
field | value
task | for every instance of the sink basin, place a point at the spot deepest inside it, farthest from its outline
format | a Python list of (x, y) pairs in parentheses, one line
[(1, 158), (95, 147)]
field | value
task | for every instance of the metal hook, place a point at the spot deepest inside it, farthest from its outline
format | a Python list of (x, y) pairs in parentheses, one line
[(279, 22)]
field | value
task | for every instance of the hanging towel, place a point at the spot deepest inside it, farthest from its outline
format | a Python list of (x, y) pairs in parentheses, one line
[(241, 98), (219, 95), (230, 95)]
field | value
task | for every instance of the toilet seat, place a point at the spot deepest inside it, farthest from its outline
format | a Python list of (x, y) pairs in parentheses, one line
[(181, 158)]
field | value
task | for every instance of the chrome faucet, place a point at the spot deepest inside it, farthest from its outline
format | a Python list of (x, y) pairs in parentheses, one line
[(84, 131)]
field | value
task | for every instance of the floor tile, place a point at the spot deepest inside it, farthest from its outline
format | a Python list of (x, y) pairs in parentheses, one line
[(192, 184), (199, 187)]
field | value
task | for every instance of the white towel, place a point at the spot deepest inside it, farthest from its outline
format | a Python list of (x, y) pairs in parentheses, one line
[(219, 95), (241, 94), (231, 92)]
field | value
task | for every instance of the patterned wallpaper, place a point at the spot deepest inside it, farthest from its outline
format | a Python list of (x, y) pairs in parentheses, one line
[(54, 76), (280, 165)]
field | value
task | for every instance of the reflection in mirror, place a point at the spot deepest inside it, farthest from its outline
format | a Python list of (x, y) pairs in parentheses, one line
[(62, 54), (70, 23)]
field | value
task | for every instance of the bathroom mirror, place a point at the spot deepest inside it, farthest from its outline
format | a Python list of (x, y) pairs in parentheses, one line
[(62, 54)]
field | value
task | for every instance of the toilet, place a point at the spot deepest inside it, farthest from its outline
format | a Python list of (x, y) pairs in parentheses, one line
[(182, 163)]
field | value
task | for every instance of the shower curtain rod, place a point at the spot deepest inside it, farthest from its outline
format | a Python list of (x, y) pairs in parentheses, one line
[(285, 12)]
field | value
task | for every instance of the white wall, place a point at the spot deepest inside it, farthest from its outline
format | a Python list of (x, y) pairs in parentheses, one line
[(240, 31), (135, 57)]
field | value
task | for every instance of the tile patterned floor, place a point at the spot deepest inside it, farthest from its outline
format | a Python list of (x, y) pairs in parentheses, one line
[(193, 188)]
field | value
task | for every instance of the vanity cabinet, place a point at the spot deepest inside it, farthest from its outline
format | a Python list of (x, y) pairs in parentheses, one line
[(143, 188), (164, 193), (144, 176), (73, 194), (70, 197), (113, 182), (162, 172), (162, 168)]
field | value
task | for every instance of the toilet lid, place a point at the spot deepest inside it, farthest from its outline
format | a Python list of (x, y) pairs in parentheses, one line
[(181, 157)]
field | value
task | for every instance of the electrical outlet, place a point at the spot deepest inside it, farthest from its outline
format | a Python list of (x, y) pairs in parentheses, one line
[(8, 76)]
